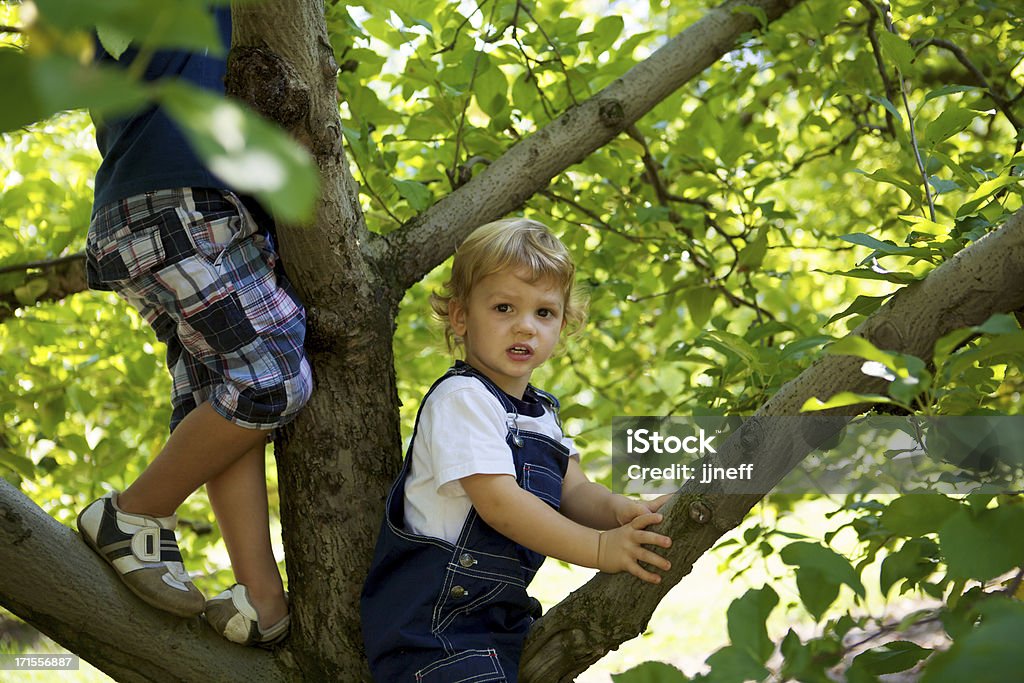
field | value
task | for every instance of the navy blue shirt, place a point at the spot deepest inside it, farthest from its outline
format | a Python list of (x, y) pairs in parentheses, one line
[(146, 151)]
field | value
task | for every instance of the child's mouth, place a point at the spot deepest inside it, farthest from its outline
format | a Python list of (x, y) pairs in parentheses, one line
[(520, 352)]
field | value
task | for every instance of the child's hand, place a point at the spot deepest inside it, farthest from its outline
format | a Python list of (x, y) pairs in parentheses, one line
[(627, 509), (622, 549)]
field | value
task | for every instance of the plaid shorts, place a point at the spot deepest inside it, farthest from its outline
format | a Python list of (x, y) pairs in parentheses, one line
[(195, 264)]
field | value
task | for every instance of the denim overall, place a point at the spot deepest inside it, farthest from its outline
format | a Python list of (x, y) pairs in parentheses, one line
[(434, 612)]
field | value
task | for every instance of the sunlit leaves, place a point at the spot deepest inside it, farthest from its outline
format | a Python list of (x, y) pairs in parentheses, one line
[(36, 88)]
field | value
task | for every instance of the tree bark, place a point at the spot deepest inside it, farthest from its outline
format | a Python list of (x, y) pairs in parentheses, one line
[(51, 579), (984, 279), (64, 276)]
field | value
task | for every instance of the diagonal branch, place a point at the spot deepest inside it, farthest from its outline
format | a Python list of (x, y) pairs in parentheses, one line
[(528, 166), (50, 578), (983, 279)]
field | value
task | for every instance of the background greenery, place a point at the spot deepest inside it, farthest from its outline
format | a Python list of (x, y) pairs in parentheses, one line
[(739, 228)]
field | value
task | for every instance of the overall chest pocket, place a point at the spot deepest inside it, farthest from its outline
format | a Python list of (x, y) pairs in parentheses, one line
[(543, 482)]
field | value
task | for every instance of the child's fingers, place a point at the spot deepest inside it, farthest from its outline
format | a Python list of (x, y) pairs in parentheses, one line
[(654, 559), (641, 573), (652, 538), (645, 520), (655, 505)]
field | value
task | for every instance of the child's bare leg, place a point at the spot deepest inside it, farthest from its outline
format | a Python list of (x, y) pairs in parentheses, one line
[(202, 446), (239, 499)]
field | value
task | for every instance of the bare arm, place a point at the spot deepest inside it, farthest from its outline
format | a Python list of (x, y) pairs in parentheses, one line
[(595, 506), (529, 521)]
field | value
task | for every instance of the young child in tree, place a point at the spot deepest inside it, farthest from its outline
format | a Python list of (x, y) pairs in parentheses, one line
[(180, 246), (490, 485)]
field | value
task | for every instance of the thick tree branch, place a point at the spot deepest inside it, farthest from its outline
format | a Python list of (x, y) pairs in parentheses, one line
[(983, 279), (64, 276), (529, 165), (51, 579)]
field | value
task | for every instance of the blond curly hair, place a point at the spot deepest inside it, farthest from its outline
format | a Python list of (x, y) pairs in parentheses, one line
[(517, 244)]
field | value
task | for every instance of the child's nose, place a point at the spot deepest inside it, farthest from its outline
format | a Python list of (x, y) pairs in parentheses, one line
[(525, 325)]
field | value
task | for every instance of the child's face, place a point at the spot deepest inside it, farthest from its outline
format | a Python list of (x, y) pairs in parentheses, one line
[(509, 326)]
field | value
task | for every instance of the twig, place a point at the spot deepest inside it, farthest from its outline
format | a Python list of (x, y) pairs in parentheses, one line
[(44, 264), (11, 29), (876, 49), (458, 31), (1005, 105), (887, 17)]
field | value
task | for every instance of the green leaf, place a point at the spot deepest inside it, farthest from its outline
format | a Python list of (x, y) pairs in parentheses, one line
[(884, 176), (753, 254), (991, 653), (918, 514), (889, 107), (28, 293), (747, 616), (837, 568), (114, 41), (904, 565), (417, 194), (862, 305), (947, 124), (37, 87), (699, 303), (651, 672), (756, 12), (982, 545), (900, 277), (249, 153), (949, 90), (897, 51), (183, 24), (842, 399), (817, 591), (886, 247), (607, 29), (734, 665), (984, 191), (491, 88), (892, 657), (854, 345)]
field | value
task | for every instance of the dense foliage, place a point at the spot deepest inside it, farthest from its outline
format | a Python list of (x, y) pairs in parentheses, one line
[(748, 221)]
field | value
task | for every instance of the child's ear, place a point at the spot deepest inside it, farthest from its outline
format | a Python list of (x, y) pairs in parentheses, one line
[(457, 317)]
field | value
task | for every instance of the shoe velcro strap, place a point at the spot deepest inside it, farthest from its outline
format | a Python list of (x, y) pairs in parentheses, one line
[(152, 544)]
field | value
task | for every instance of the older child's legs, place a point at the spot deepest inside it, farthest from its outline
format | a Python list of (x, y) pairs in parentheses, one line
[(239, 499), (202, 446), (230, 460)]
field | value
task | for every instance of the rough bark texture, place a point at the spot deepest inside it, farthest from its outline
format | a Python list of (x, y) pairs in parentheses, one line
[(54, 581), (335, 459), (984, 279)]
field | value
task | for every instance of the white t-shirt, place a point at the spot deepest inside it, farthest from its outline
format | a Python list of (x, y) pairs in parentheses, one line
[(462, 429)]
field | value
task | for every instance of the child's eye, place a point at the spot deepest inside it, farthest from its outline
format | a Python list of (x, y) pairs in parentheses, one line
[(502, 308), (545, 313)]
